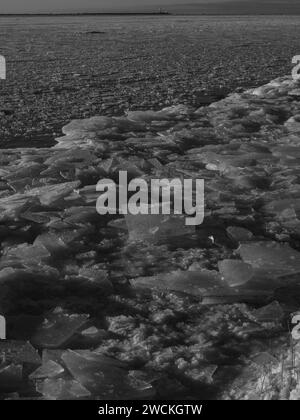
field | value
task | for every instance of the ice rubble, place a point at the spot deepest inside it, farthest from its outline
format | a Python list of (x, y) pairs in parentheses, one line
[(184, 291)]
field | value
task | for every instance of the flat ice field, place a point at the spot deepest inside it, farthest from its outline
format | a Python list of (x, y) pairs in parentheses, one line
[(61, 68)]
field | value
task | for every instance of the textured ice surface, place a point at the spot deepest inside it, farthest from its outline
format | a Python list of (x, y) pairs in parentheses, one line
[(190, 282), (58, 328), (210, 304), (103, 376)]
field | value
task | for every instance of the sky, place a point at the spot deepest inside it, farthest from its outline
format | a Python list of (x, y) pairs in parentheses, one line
[(73, 5), (21, 6)]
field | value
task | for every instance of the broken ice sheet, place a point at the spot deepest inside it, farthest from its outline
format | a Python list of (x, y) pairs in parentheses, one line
[(190, 282), (88, 194), (19, 352), (50, 369), (270, 313), (51, 195), (273, 259), (93, 124), (141, 385), (40, 217), (276, 207), (58, 328), (72, 237), (21, 184), (91, 337), (81, 214), (76, 155), (32, 271), (154, 227), (97, 278), (22, 170), (53, 355), (235, 272), (53, 243), (239, 234), (28, 253), (203, 374), (147, 116), (62, 389), (104, 377), (11, 207)]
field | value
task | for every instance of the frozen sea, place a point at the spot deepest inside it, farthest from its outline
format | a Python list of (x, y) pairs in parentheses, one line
[(65, 67)]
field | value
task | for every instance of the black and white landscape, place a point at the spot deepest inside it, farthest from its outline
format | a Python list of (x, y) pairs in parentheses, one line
[(142, 307)]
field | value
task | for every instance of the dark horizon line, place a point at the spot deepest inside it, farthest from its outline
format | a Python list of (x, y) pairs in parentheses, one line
[(146, 14), (83, 13)]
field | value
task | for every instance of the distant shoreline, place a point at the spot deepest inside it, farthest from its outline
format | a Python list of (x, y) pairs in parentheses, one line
[(86, 14), (142, 14)]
